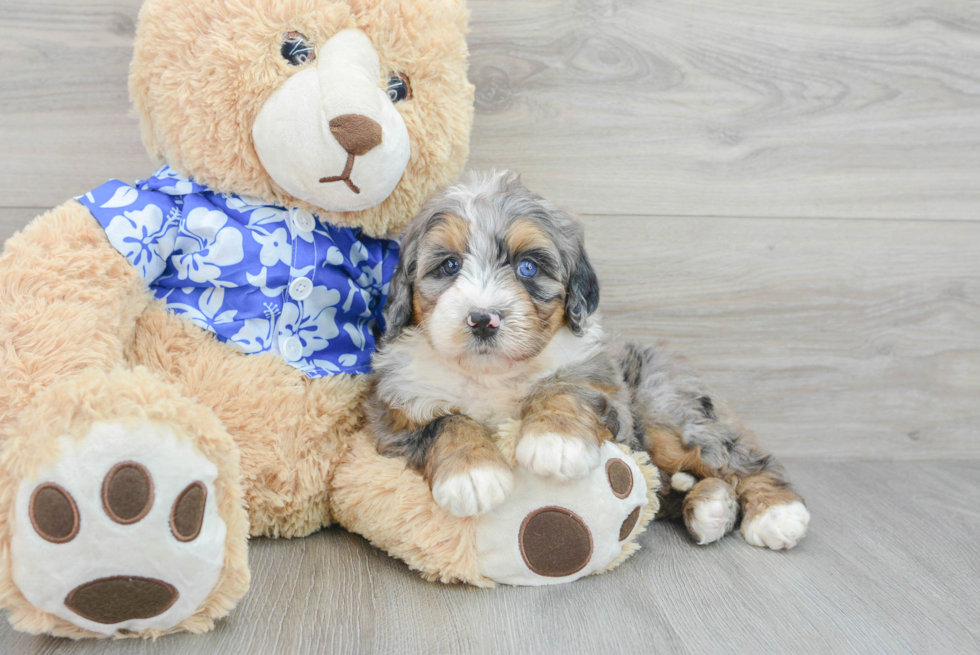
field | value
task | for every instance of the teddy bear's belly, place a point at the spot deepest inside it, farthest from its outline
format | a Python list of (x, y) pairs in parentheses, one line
[(290, 428)]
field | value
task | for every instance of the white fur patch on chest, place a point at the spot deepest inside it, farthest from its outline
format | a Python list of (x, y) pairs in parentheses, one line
[(424, 385)]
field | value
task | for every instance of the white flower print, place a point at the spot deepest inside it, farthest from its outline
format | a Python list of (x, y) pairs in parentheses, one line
[(258, 334), (325, 365), (181, 185), (208, 312), (123, 197), (358, 253), (228, 261), (356, 334), (275, 247), (207, 246), (312, 320), (263, 211), (333, 256), (365, 298), (261, 282), (144, 238)]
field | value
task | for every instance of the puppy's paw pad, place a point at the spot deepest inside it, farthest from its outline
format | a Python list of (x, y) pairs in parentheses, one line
[(554, 455), (779, 527), (712, 516), (476, 491)]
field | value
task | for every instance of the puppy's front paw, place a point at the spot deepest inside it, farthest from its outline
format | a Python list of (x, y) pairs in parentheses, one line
[(778, 527), (475, 491), (561, 457)]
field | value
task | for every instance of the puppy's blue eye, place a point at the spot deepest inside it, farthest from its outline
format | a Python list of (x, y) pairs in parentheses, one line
[(527, 268), (450, 266), (398, 88)]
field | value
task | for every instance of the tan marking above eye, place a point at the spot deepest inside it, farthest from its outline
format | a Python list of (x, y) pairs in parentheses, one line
[(127, 492), (53, 513), (525, 234), (451, 232), (187, 514), (620, 477), (555, 542)]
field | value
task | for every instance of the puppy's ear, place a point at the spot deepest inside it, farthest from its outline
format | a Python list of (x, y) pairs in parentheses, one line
[(398, 312), (582, 294)]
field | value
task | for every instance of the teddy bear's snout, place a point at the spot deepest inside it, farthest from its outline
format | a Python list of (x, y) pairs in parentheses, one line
[(356, 134)]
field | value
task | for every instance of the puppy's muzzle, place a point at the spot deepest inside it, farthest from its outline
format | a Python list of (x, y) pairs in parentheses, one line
[(483, 324)]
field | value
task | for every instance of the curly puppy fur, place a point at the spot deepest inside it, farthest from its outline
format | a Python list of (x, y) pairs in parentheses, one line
[(492, 318)]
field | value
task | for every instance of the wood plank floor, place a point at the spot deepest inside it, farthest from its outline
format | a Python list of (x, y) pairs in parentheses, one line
[(890, 567), (788, 193)]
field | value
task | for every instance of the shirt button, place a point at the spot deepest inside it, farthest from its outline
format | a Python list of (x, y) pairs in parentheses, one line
[(292, 349), (304, 220), (301, 288)]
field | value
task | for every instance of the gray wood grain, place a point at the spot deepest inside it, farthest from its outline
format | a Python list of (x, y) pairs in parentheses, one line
[(832, 338), (819, 109), (725, 155), (890, 566)]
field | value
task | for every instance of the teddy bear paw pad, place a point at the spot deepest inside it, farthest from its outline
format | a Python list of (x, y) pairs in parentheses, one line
[(552, 530), (121, 531)]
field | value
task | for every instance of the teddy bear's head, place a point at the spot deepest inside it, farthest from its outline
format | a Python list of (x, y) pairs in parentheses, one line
[(354, 109)]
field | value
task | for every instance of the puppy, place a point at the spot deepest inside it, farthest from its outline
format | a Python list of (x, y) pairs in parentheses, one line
[(492, 316)]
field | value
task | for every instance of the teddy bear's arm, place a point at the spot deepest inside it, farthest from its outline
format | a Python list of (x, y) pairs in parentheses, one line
[(73, 412), (68, 302)]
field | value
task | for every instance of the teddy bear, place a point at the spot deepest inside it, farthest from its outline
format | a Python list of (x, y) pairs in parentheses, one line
[(184, 359)]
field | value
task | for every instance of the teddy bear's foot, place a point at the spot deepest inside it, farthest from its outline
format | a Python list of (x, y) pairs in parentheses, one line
[(121, 531), (552, 531)]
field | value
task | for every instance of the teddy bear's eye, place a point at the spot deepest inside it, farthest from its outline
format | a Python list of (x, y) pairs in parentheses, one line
[(297, 50), (398, 87)]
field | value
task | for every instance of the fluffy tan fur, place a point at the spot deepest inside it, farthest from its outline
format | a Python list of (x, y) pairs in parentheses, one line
[(82, 340), (202, 70), (391, 505), (71, 304)]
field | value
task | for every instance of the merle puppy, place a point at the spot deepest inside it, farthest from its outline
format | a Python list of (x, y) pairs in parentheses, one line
[(492, 316)]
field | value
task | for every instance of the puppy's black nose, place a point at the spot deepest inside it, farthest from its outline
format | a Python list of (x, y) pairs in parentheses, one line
[(482, 323)]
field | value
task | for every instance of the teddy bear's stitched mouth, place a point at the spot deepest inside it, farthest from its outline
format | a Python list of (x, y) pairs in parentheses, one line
[(345, 176)]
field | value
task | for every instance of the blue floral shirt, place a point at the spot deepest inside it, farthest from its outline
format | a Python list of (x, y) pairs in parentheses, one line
[(262, 278)]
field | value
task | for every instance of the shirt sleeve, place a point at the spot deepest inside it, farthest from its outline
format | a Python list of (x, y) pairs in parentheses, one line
[(140, 224)]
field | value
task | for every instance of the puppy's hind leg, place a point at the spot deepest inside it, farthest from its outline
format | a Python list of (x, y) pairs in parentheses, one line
[(689, 430), (773, 515), (710, 510)]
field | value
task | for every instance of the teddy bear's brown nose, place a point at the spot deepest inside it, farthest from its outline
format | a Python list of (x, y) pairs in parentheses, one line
[(357, 134)]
